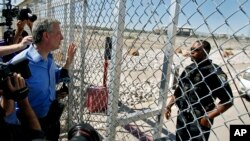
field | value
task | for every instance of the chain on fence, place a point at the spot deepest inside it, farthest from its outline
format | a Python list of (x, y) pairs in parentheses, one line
[(131, 54)]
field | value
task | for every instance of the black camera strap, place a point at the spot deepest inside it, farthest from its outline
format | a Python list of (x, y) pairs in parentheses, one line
[(18, 94), (55, 112)]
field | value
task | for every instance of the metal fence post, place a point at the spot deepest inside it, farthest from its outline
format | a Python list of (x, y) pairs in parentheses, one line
[(115, 68), (70, 39), (83, 50), (167, 64)]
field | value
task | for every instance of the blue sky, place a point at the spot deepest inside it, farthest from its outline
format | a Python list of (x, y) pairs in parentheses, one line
[(229, 13), (189, 17), (139, 15)]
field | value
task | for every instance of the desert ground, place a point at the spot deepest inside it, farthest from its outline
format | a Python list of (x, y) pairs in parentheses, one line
[(141, 75)]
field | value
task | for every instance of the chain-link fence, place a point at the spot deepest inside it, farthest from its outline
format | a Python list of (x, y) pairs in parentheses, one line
[(123, 95)]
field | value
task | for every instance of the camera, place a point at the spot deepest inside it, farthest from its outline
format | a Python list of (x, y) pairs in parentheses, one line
[(83, 132), (26, 14), (9, 13), (23, 14), (19, 66)]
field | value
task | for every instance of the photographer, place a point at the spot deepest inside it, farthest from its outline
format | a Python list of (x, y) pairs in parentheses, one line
[(19, 33), (24, 17), (14, 89), (25, 14)]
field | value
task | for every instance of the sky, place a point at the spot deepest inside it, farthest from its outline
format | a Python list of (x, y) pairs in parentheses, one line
[(217, 16), (230, 19), (225, 14)]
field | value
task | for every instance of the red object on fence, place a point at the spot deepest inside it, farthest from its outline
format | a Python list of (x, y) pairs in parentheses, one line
[(97, 96), (105, 73)]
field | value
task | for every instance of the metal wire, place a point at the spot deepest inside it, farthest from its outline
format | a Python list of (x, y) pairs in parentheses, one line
[(156, 33)]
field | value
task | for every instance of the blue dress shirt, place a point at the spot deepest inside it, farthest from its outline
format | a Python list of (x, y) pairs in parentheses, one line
[(42, 83)]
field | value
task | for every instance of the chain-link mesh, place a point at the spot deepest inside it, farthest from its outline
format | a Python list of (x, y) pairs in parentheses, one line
[(123, 95)]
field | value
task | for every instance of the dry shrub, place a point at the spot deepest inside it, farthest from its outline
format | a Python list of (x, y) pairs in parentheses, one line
[(227, 53), (186, 53), (178, 50), (134, 52)]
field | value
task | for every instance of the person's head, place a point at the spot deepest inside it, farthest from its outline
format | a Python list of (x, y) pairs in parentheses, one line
[(199, 50), (47, 31)]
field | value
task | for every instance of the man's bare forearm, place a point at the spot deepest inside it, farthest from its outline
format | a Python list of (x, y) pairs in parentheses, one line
[(7, 105), (219, 109), (171, 102), (6, 50), (29, 114)]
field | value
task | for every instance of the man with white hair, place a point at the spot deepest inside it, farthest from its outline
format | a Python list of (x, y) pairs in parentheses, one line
[(45, 74)]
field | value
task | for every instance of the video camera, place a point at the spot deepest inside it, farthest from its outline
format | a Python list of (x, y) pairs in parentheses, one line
[(20, 66), (9, 13), (23, 14), (26, 14)]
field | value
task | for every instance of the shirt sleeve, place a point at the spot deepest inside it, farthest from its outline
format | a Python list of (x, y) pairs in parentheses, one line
[(58, 72), (224, 93), (62, 75), (178, 91)]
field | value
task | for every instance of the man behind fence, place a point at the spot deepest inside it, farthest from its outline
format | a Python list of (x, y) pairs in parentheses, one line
[(46, 74), (198, 87)]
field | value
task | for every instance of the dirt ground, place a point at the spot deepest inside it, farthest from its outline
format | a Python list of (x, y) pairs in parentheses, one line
[(150, 46)]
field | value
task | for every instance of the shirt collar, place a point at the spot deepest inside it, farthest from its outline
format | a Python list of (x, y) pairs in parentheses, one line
[(34, 55)]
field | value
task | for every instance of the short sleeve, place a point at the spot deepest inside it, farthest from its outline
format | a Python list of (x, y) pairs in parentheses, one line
[(224, 93)]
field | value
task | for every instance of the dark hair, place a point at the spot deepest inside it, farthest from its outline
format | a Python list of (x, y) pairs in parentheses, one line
[(205, 44)]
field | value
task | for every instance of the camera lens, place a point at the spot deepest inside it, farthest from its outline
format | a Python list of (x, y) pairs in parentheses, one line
[(79, 138), (83, 132), (14, 12), (32, 18), (26, 14)]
